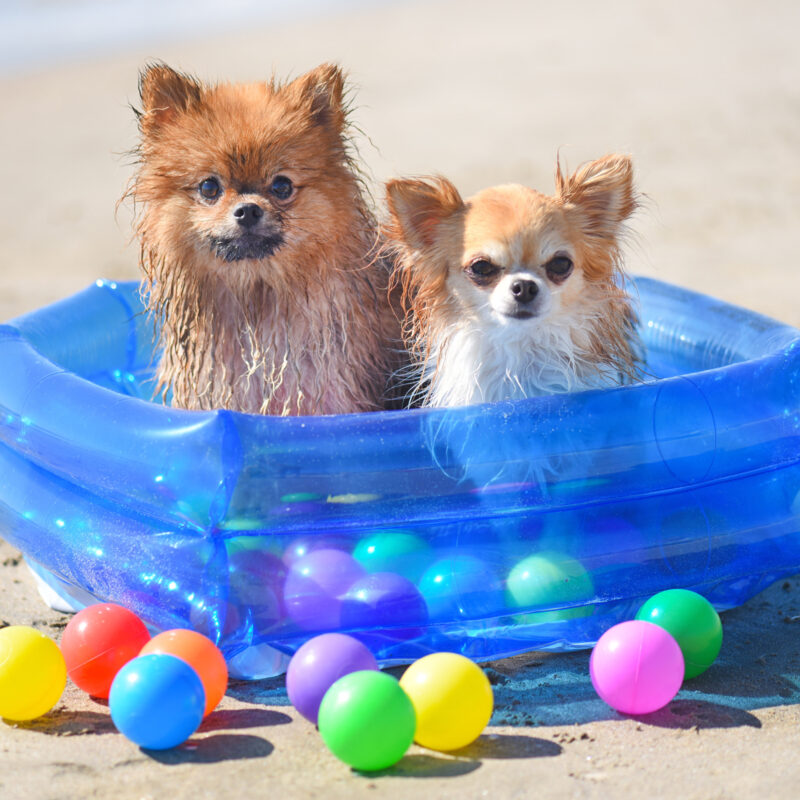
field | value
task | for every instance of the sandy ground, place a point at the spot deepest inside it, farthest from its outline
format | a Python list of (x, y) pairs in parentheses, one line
[(705, 96)]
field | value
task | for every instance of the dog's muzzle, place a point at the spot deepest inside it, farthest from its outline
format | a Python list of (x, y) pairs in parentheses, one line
[(519, 301), (246, 245)]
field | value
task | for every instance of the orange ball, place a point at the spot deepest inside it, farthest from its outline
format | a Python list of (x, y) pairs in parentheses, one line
[(200, 653)]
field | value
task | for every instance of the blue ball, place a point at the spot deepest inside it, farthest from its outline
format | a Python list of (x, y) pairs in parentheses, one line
[(157, 701), (461, 587)]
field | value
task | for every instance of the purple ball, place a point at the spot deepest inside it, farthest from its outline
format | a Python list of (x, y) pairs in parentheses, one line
[(383, 600), (298, 548), (314, 586), (300, 507), (318, 664)]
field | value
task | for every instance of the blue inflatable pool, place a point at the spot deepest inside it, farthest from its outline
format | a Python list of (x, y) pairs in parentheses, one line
[(487, 530)]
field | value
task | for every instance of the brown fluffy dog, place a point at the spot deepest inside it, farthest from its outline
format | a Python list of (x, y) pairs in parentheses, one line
[(511, 293), (258, 247)]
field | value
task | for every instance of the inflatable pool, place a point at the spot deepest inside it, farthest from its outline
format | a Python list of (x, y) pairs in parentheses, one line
[(487, 530)]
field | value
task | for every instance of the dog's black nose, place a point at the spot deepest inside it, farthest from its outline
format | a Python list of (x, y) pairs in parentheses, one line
[(524, 291), (247, 214)]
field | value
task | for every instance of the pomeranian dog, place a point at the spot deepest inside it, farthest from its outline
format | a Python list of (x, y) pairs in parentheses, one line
[(512, 293), (258, 247)]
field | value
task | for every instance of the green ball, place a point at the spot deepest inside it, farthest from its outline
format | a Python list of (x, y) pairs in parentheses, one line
[(367, 720), (394, 551), (547, 579), (300, 497), (693, 623)]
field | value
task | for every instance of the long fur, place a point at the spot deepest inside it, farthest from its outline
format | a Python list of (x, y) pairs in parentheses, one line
[(468, 362), (463, 352), (307, 329)]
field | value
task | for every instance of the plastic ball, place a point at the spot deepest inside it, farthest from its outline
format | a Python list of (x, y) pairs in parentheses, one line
[(461, 586), (452, 698), (298, 508), (367, 720), (550, 579), (636, 667), (32, 673), (157, 701), (298, 548), (692, 621), (318, 664), (314, 585), (98, 641), (383, 599), (300, 497), (394, 551), (200, 653)]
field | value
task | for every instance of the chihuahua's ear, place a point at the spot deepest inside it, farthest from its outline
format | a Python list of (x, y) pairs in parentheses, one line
[(601, 194), (417, 206), (322, 90), (165, 93)]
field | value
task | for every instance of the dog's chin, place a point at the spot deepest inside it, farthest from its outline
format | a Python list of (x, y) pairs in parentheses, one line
[(247, 246)]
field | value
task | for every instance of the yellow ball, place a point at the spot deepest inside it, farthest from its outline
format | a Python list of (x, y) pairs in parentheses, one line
[(452, 697), (32, 673)]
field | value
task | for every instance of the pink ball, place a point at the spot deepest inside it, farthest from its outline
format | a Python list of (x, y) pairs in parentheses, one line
[(636, 667)]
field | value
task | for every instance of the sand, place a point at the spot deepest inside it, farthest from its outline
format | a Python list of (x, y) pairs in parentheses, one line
[(704, 96)]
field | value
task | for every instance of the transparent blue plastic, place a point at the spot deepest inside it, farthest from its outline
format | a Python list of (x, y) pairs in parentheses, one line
[(487, 530)]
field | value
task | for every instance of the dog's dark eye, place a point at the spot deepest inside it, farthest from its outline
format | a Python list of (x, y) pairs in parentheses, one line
[(281, 187), (210, 188), (558, 268), (482, 269)]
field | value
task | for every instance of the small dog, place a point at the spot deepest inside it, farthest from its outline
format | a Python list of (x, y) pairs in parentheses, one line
[(511, 293), (258, 247)]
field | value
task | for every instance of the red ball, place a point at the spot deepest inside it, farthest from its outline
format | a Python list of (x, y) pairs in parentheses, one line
[(98, 642)]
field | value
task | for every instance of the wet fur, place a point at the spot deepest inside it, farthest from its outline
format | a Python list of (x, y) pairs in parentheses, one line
[(302, 323), (464, 352)]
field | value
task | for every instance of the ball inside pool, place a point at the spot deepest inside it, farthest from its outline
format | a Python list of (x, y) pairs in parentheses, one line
[(383, 599), (314, 587), (318, 664), (550, 579), (693, 622), (157, 701), (200, 653), (367, 720), (32, 673), (461, 586), (452, 698), (98, 641), (393, 551), (636, 667)]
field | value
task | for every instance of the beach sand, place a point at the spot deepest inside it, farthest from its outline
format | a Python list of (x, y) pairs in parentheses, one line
[(705, 97)]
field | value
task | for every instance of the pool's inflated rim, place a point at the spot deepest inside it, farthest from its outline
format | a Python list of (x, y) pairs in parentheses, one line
[(87, 464)]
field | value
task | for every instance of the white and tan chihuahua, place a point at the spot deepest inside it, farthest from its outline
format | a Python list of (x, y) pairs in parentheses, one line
[(512, 293)]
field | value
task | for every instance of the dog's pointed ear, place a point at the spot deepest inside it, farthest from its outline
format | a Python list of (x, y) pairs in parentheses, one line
[(417, 206), (165, 93), (323, 91), (600, 194)]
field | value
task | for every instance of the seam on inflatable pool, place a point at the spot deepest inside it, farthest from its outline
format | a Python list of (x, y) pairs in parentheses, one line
[(231, 459)]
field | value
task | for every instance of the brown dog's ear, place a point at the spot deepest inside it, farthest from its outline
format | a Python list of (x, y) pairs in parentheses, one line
[(165, 93), (417, 206), (322, 89), (601, 194)]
